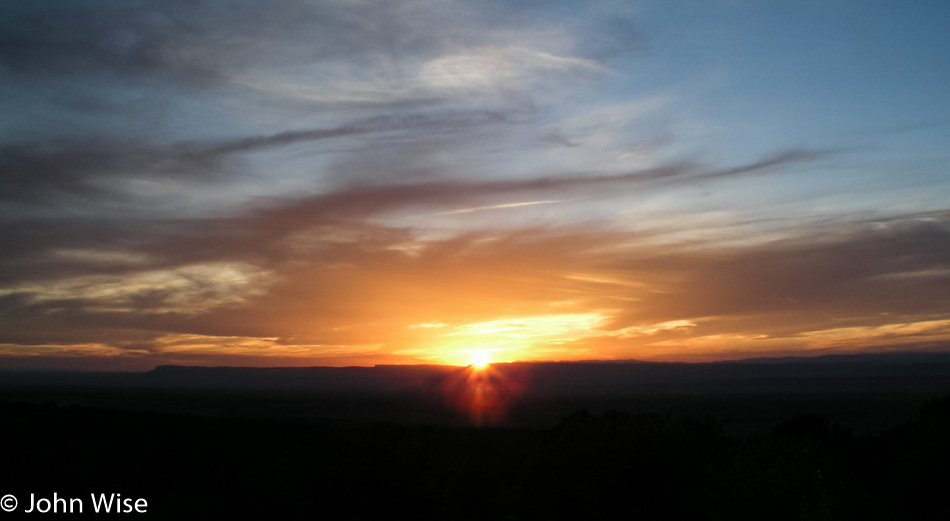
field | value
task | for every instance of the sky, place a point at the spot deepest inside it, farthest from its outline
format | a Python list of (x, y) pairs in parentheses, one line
[(338, 183)]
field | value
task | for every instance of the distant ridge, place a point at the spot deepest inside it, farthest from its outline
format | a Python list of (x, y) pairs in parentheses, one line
[(591, 376), (893, 357), (886, 358)]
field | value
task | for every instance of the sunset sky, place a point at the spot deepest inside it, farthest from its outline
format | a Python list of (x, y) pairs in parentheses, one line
[(436, 181)]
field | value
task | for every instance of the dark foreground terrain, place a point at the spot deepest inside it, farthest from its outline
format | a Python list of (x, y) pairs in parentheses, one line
[(833, 438), (587, 466)]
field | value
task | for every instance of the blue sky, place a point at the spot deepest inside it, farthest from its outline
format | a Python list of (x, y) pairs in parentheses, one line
[(330, 182)]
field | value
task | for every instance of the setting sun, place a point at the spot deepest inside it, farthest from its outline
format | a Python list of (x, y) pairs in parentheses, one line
[(479, 360)]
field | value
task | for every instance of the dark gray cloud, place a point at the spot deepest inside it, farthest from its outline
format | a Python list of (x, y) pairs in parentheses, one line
[(44, 171), (116, 83), (189, 39), (260, 233), (204, 43), (861, 274), (362, 201)]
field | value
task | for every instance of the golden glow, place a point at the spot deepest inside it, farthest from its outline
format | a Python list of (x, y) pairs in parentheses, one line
[(470, 302), (537, 337), (479, 360)]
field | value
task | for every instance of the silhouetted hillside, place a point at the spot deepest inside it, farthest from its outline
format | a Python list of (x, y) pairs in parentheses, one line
[(587, 466)]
